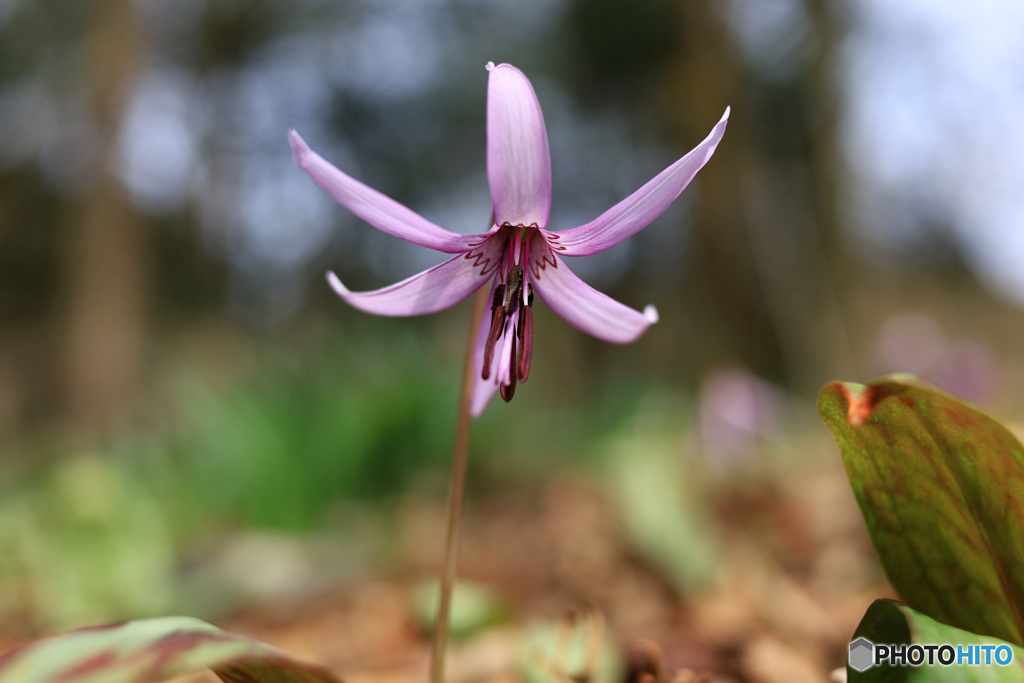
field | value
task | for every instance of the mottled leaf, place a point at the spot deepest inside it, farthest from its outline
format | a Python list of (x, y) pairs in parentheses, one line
[(941, 487), (154, 650), (888, 622)]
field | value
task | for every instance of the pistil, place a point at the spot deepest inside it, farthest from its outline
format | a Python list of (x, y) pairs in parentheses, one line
[(524, 331), (508, 390), (513, 289)]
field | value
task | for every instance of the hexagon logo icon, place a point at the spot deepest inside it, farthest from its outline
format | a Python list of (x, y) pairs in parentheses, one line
[(862, 654)]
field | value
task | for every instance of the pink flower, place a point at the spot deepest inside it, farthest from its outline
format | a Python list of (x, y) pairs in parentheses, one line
[(519, 256)]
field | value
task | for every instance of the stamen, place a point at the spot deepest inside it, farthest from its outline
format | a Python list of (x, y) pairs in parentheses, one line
[(497, 325), (498, 298), (511, 298)]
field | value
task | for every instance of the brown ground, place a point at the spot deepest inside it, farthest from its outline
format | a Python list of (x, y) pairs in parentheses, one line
[(798, 573)]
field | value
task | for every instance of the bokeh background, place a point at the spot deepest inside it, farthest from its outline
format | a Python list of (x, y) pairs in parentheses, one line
[(191, 421)]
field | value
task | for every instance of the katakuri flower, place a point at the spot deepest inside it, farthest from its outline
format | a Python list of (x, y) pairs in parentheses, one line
[(519, 255)]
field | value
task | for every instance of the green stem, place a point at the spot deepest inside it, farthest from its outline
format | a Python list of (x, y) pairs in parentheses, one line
[(456, 489)]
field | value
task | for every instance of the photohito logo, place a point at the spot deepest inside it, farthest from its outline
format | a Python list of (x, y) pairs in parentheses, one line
[(864, 654)]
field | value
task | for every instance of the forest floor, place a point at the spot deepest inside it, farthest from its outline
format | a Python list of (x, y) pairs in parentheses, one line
[(795, 573)]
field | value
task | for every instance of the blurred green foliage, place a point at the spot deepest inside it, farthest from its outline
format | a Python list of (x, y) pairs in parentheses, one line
[(474, 607), (101, 535), (354, 419), (88, 542), (358, 419)]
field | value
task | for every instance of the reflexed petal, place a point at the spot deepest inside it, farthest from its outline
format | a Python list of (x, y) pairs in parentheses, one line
[(432, 290), (518, 159), (637, 211), (377, 209), (582, 306), (483, 389)]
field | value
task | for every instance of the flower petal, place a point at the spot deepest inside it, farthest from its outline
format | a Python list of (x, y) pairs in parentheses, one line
[(432, 290), (483, 389), (375, 208), (518, 159), (637, 211), (582, 306)]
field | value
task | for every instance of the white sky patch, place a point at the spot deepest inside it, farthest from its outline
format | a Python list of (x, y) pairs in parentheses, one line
[(7, 8), (772, 33), (389, 56), (156, 152), (284, 219), (284, 89), (997, 248), (935, 98)]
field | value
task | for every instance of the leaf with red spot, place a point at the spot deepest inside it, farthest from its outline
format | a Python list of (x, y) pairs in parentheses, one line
[(941, 488), (154, 650)]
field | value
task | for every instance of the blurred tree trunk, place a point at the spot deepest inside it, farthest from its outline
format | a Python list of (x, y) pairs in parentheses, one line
[(830, 174), (107, 261), (827, 166), (765, 235), (721, 288)]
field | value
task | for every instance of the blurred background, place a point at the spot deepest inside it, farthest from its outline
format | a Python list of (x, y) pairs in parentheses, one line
[(190, 421)]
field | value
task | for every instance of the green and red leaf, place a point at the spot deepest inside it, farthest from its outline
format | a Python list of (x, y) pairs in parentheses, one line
[(154, 650), (941, 488)]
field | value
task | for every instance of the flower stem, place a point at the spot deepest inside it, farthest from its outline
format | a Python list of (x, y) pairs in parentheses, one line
[(456, 488)]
